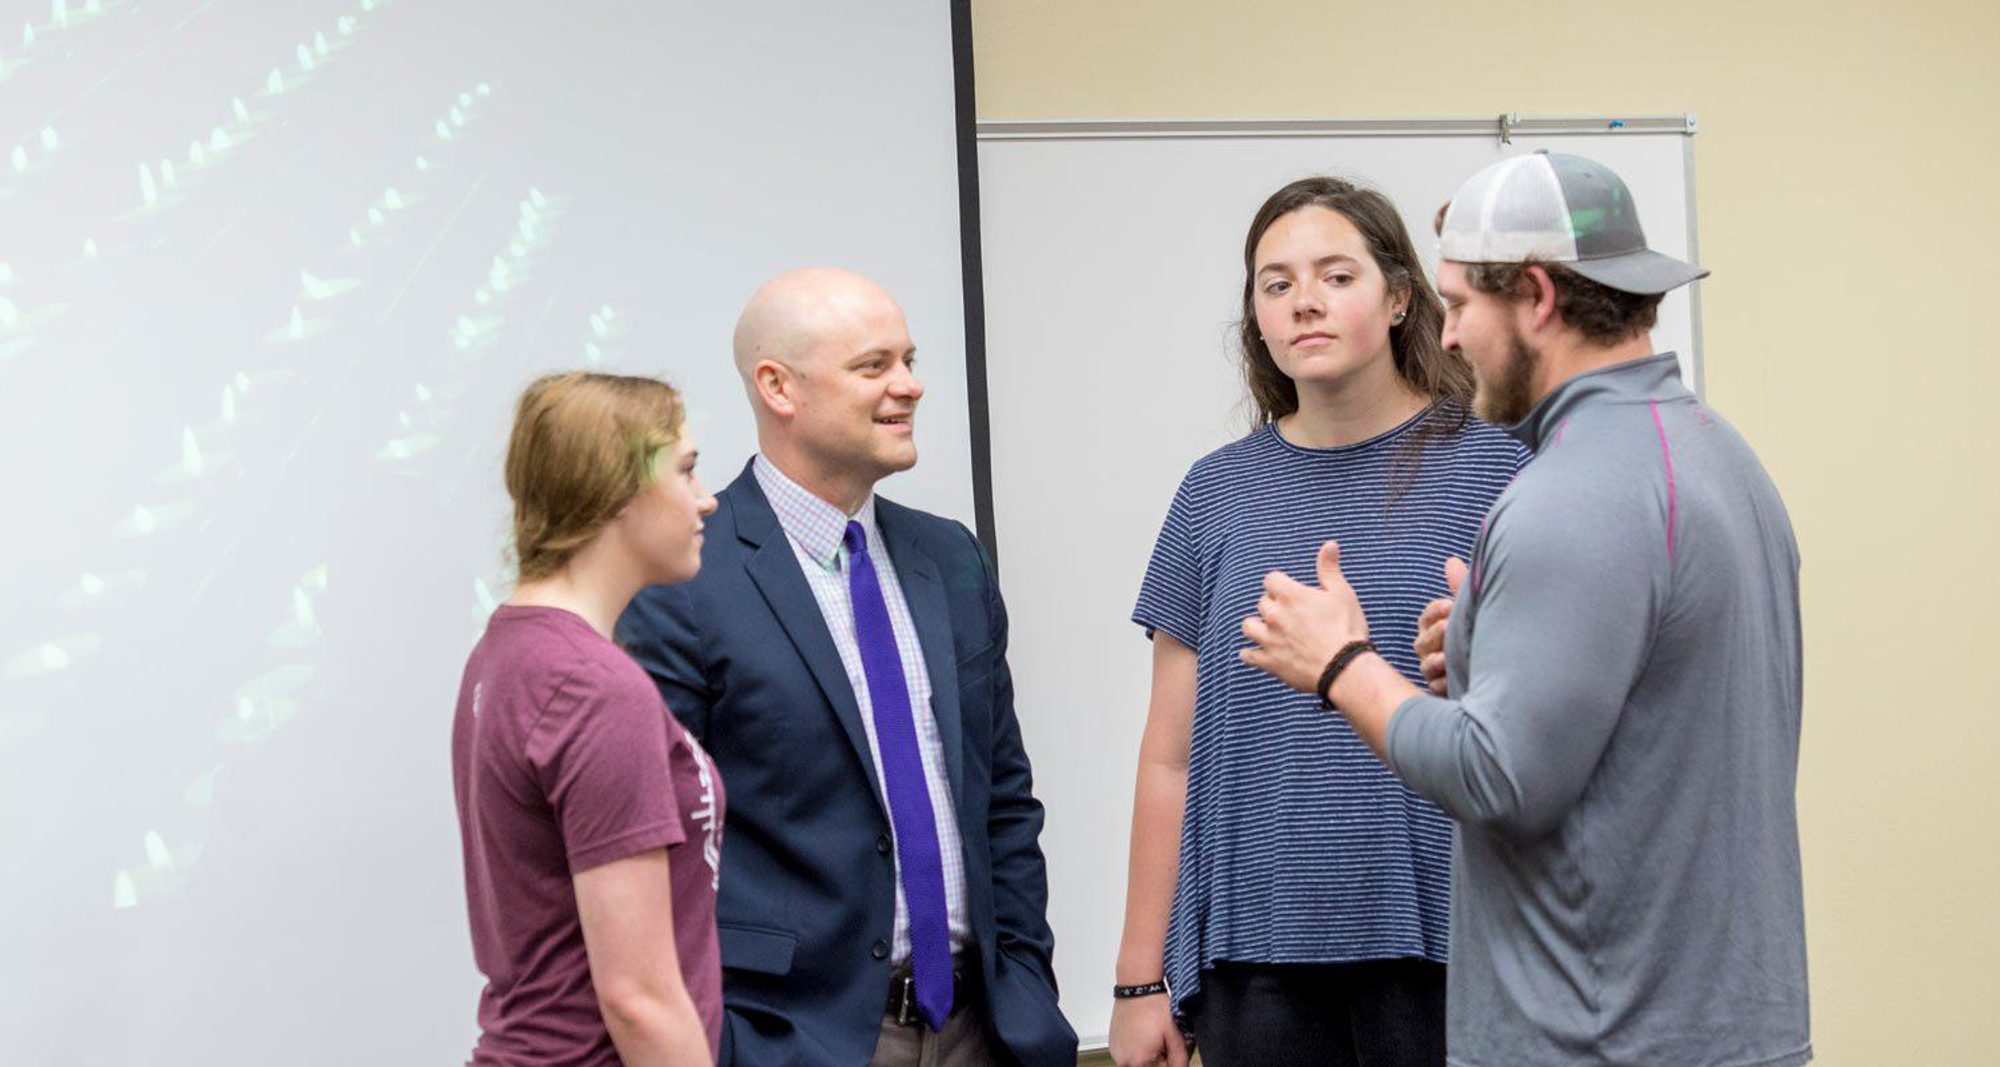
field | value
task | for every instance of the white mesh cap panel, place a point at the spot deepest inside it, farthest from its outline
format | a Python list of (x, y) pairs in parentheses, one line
[(1509, 212)]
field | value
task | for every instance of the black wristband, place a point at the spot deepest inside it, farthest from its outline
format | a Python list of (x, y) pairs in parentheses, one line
[(1127, 992), (1348, 653)]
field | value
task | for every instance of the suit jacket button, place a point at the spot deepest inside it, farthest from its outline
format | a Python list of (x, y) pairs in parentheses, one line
[(882, 843), (879, 950)]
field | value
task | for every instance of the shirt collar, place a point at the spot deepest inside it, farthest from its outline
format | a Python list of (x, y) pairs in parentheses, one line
[(1648, 378), (813, 524)]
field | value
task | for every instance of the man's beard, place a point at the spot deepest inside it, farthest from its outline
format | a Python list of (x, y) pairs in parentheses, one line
[(1508, 397)]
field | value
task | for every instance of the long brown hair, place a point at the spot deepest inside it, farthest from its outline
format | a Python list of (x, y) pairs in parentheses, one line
[(1416, 343)]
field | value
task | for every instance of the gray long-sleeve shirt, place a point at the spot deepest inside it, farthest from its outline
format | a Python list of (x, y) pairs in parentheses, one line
[(1621, 748)]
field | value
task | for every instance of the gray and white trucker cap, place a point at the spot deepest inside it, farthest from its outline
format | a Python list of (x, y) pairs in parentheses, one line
[(1555, 208)]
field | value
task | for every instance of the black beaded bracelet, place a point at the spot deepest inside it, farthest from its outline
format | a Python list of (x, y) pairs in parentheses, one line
[(1127, 992), (1348, 653)]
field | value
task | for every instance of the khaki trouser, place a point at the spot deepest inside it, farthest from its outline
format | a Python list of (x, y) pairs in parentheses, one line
[(962, 1043)]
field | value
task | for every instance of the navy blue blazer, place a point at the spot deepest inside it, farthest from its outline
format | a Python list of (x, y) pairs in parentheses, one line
[(807, 903)]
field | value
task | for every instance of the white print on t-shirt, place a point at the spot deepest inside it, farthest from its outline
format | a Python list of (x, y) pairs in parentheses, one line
[(704, 816), (478, 690)]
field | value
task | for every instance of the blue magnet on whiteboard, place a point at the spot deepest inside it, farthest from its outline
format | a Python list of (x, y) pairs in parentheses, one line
[(1617, 124)]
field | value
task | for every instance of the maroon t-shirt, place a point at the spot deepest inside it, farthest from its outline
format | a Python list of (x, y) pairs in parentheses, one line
[(564, 758)]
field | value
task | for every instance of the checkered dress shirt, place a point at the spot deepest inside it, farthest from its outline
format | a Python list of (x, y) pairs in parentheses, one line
[(814, 527)]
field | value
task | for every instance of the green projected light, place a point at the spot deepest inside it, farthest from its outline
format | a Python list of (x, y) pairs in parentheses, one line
[(50, 657)]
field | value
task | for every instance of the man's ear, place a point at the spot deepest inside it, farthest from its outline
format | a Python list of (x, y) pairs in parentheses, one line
[(1542, 303), (774, 384)]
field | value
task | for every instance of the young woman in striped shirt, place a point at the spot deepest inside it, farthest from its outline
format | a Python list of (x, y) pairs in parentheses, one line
[(1291, 895)]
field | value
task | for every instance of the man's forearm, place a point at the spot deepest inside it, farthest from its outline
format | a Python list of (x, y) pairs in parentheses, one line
[(1368, 692), (1020, 872)]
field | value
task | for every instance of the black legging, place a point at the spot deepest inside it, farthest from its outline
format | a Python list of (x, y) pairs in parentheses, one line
[(1377, 1013)]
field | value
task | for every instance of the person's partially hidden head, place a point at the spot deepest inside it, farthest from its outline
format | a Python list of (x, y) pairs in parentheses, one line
[(827, 362), (1544, 252), (603, 464), (1332, 291)]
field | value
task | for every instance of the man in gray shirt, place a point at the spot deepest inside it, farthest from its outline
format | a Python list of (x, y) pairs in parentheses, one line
[(1619, 743)]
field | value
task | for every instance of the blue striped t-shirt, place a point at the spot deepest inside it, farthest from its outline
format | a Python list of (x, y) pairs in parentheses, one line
[(1297, 844)]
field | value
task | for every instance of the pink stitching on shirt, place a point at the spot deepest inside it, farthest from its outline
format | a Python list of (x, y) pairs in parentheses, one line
[(1476, 566), (1666, 456)]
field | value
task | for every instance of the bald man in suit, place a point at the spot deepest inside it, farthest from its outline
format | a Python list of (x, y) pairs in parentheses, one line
[(843, 658)]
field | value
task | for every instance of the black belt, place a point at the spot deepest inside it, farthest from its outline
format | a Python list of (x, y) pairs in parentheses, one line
[(903, 992)]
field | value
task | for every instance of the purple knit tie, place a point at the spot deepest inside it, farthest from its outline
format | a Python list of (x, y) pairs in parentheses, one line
[(903, 779)]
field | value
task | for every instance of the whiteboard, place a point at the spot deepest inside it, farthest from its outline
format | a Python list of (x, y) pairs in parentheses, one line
[(272, 276), (1112, 259)]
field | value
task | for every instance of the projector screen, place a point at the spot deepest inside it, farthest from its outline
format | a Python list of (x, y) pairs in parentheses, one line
[(271, 276)]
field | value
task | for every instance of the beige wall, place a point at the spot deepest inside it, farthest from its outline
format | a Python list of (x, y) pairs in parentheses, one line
[(1849, 199)]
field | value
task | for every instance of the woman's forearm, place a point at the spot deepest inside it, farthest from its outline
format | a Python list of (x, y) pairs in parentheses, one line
[(1157, 804), (656, 1029)]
